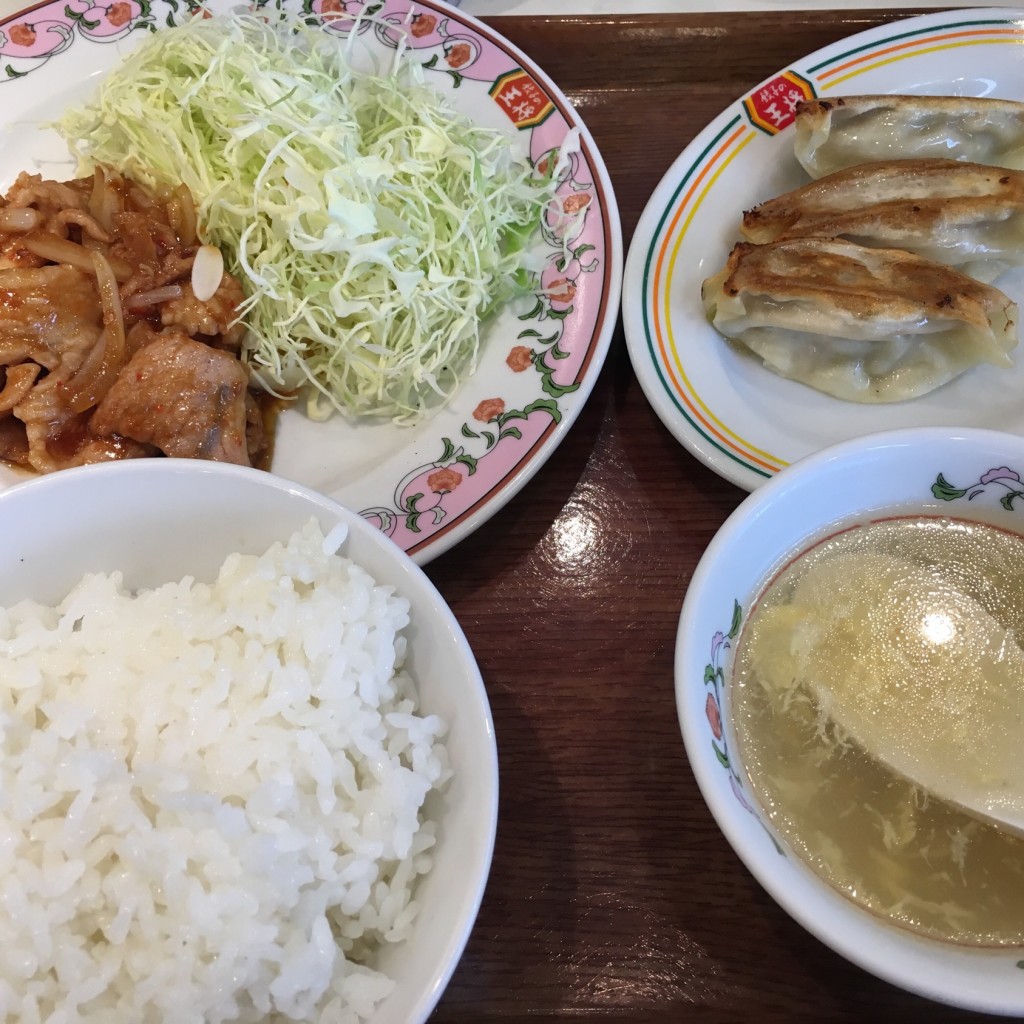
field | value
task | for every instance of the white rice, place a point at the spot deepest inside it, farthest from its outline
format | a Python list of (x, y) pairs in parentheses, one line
[(210, 795)]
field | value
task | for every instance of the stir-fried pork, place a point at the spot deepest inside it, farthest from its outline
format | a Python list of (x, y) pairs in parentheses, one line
[(48, 316), (185, 397), (59, 438), (105, 351), (213, 317)]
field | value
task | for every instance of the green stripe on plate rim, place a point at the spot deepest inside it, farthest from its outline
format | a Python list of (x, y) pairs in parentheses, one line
[(655, 362), (908, 35)]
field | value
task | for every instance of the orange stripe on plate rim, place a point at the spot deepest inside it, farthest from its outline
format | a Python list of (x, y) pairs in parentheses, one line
[(684, 388)]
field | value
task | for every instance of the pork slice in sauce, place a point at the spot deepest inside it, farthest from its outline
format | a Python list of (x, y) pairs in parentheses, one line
[(184, 397), (215, 316), (47, 195), (49, 315), (59, 438)]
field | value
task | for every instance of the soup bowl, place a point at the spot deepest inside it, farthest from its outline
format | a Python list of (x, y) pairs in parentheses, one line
[(158, 520), (968, 474)]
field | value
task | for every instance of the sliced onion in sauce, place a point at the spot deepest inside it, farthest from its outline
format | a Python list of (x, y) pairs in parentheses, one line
[(181, 212), (61, 250), (20, 218), (18, 382), (143, 300), (95, 375), (105, 200)]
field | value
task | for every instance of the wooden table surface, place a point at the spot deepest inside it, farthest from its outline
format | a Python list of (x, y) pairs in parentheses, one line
[(613, 895)]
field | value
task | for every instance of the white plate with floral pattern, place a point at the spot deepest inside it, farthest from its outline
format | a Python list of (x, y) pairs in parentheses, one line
[(430, 485), (740, 419)]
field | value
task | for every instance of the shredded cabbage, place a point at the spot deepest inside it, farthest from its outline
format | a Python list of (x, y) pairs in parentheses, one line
[(372, 225)]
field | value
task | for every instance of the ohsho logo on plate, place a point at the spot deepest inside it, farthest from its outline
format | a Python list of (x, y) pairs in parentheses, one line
[(772, 106), (522, 99)]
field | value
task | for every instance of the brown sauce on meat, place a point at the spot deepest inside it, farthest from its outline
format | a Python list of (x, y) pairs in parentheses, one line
[(106, 307), (66, 442), (270, 407), (13, 443), (73, 436)]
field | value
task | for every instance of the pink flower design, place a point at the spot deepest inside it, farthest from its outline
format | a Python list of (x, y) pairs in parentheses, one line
[(562, 291), (574, 203), (520, 358), (489, 409), (108, 18), (35, 38), (458, 55), (422, 25), (714, 715), (1000, 473), (119, 13), (444, 480), (742, 797), (716, 645), (331, 10), (22, 35)]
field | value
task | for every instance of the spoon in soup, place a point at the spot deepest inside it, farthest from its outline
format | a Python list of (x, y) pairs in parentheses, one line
[(914, 670)]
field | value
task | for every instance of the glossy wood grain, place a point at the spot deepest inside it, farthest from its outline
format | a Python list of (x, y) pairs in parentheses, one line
[(613, 895)]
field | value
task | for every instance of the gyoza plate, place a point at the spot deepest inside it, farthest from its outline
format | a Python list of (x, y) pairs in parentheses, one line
[(430, 485), (743, 421)]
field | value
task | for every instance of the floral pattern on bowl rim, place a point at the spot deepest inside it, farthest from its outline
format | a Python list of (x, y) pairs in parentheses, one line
[(714, 681), (426, 486), (1000, 480)]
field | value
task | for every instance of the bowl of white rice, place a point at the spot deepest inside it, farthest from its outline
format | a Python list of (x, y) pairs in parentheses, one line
[(247, 763)]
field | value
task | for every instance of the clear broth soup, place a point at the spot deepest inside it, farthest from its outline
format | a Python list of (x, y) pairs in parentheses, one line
[(882, 841)]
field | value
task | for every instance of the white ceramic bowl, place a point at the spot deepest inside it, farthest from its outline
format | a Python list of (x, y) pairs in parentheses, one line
[(972, 474), (158, 520)]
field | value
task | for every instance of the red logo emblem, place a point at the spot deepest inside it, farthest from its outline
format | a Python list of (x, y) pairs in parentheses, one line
[(773, 106), (522, 99)]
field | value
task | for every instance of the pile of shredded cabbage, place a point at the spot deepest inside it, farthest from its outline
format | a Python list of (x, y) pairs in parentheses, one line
[(374, 227)]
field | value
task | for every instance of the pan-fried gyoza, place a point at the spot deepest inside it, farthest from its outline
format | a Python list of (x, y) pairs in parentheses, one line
[(842, 131), (864, 325), (968, 215), (118, 333)]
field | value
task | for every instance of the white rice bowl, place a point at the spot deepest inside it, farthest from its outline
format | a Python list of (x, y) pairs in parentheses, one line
[(219, 799)]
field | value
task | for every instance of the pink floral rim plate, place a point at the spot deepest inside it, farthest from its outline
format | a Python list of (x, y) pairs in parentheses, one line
[(431, 485)]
